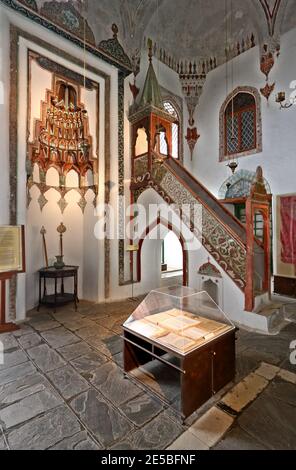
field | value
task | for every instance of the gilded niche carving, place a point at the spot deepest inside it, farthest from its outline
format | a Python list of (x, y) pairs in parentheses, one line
[(61, 136), (62, 140)]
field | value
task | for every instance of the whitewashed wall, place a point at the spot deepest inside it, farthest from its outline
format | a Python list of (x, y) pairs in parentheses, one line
[(4, 110), (81, 247), (278, 126)]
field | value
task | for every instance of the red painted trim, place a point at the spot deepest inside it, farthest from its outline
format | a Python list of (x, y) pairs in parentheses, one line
[(251, 208), (181, 239)]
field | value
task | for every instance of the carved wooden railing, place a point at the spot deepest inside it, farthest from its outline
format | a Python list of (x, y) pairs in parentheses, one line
[(223, 236)]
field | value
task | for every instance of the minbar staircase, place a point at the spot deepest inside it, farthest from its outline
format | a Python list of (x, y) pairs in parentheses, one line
[(233, 245), (243, 257)]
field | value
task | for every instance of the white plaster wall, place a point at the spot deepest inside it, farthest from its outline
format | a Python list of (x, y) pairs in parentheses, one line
[(4, 110), (81, 247), (278, 126)]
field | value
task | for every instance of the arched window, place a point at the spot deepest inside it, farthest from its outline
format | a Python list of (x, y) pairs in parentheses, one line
[(240, 124), (170, 108)]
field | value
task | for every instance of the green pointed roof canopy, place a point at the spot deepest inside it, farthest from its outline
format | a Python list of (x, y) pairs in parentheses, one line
[(151, 93)]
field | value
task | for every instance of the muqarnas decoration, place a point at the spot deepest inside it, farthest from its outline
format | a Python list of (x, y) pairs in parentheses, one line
[(192, 138), (62, 141), (267, 61), (192, 82)]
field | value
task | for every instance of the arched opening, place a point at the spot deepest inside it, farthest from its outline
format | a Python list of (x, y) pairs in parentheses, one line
[(161, 142), (166, 230), (171, 109), (212, 289), (171, 259), (141, 146)]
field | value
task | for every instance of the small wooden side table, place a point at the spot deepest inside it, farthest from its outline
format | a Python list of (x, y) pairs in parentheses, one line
[(60, 297)]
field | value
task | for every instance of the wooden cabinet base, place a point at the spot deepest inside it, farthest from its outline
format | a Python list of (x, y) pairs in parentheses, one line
[(285, 286), (203, 372), (8, 327)]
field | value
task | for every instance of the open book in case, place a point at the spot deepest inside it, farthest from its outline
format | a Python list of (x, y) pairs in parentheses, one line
[(178, 318)]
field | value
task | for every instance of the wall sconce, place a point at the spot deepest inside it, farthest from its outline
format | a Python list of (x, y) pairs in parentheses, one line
[(281, 97), (233, 166)]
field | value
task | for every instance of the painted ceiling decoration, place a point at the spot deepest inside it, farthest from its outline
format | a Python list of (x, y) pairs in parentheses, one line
[(271, 9), (271, 44), (194, 31), (66, 20)]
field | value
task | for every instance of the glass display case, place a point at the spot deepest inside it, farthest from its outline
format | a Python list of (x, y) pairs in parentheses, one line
[(187, 332)]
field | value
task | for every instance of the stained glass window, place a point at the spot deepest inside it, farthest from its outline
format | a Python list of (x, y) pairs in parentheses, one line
[(240, 124)]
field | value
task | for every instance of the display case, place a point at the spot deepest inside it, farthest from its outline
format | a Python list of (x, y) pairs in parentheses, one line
[(189, 334)]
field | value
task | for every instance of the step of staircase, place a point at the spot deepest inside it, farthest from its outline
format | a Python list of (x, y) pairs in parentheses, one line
[(268, 317)]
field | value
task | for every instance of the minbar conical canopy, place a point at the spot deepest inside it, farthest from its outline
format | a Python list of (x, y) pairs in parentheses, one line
[(151, 93)]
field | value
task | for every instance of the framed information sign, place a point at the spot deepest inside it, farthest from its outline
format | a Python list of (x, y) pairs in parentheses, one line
[(12, 261), (12, 255)]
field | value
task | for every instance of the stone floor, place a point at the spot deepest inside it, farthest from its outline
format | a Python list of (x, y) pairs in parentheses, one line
[(62, 387)]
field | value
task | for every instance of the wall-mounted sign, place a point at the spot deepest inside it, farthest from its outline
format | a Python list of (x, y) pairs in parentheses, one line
[(12, 252)]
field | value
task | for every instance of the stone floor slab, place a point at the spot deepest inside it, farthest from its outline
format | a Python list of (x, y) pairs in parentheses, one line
[(44, 325), (22, 387), (282, 390), (287, 375), (287, 365), (245, 392), (16, 372), (270, 349), (93, 330), (65, 315), (188, 441), (238, 439), (8, 341), (100, 417), (157, 434), (25, 329), (44, 431), (271, 421), (80, 441), (3, 445), (72, 351), (78, 324), (109, 346), (46, 358), (30, 340), (246, 362), (13, 358), (268, 371), (68, 382), (141, 409), (28, 408), (59, 337), (88, 363), (212, 426), (110, 381)]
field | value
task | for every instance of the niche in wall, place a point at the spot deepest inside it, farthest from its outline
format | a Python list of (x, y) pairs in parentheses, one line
[(210, 279), (63, 128)]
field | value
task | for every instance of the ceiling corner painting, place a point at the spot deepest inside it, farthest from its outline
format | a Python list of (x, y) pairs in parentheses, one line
[(63, 137), (271, 9), (286, 235)]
